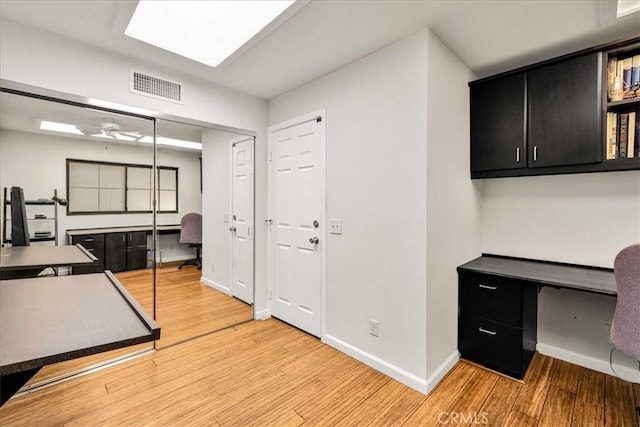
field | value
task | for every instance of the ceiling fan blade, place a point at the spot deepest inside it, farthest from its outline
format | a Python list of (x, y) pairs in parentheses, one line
[(136, 136), (88, 129)]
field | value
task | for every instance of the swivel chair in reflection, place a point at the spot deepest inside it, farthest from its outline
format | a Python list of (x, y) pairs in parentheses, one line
[(191, 234)]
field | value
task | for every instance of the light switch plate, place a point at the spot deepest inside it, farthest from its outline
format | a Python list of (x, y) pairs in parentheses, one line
[(335, 226)]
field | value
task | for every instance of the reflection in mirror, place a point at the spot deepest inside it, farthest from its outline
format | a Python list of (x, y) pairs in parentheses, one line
[(101, 164), (195, 295)]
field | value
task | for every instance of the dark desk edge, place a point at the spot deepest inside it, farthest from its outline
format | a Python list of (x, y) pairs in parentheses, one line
[(152, 327), (540, 261), (556, 285), (89, 255)]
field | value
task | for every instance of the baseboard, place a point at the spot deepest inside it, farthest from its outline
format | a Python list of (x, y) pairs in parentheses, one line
[(442, 371), (216, 286), (626, 373), (262, 314), (176, 258), (399, 374)]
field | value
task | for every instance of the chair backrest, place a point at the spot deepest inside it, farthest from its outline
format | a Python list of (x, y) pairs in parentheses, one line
[(191, 228), (625, 328)]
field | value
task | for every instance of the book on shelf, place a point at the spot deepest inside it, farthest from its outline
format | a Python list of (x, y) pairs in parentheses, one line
[(623, 135), (623, 77), (635, 73), (612, 126), (631, 134), (626, 74)]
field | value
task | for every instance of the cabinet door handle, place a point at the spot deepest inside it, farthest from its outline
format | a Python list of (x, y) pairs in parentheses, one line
[(491, 288), (484, 331), (535, 153), (518, 155)]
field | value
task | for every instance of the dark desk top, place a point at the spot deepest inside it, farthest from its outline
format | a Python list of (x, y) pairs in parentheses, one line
[(50, 319), (584, 278), (172, 228), (21, 257)]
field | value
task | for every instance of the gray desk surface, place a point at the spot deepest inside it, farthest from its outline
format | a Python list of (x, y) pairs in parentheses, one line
[(161, 228), (582, 278), (21, 257), (50, 319)]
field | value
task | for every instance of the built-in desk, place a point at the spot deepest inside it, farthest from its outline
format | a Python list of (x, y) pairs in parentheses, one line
[(117, 248), (498, 301)]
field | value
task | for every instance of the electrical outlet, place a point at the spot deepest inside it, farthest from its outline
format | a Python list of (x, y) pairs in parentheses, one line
[(374, 329), (213, 268), (335, 226)]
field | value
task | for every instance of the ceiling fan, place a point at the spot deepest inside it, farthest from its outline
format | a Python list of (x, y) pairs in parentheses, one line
[(109, 128)]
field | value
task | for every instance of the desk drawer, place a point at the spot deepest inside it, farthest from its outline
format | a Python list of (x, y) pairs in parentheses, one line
[(492, 344), (90, 241), (492, 298)]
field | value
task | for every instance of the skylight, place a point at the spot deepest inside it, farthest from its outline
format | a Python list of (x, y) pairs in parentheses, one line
[(627, 7), (205, 31)]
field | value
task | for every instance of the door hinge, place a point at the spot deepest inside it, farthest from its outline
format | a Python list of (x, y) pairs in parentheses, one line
[(270, 293), (270, 156)]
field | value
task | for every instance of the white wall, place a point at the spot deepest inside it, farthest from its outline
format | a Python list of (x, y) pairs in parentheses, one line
[(216, 155), (38, 164), (376, 183), (38, 58), (453, 203), (579, 219)]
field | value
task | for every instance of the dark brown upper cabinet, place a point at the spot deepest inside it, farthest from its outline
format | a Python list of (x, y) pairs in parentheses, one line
[(564, 112), (498, 125)]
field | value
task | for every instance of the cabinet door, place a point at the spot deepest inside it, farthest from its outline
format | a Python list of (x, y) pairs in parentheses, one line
[(136, 250), (116, 252), (498, 124), (564, 112)]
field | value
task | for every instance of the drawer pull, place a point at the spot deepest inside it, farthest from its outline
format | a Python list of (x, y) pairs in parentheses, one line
[(484, 331), (88, 240), (491, 288)]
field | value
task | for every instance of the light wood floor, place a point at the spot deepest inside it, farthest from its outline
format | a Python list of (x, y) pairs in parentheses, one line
[(185, 308), (266, 373)]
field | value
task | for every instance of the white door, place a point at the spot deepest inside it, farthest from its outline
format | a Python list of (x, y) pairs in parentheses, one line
[(296, 202), (241, 221)]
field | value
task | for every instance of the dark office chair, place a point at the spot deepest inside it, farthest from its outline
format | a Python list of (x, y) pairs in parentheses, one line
[(191, 234), (625, 327)]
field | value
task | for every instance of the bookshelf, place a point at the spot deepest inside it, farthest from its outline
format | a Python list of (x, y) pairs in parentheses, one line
[(43, 219), (621, 100)]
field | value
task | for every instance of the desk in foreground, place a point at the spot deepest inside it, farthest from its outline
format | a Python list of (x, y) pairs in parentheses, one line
[(47, 320)]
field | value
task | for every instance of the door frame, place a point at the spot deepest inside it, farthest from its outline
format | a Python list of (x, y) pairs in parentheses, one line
[(253, 212), (314, 115)]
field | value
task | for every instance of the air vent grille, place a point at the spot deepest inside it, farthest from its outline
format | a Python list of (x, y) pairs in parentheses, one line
[(145, 84)]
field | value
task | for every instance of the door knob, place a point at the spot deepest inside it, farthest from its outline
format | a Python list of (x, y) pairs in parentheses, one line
[(314, 240), (233, 229)]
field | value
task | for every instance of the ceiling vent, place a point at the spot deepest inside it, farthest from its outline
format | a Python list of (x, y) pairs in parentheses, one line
[(144, 84)]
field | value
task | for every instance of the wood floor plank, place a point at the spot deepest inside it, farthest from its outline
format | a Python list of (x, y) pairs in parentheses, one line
[(439, 400), (619, 409), (519, 419), (536, 385), (467, 407), (589, 406), (498, 404), (389, 406), (558, 409), (565, 375)]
